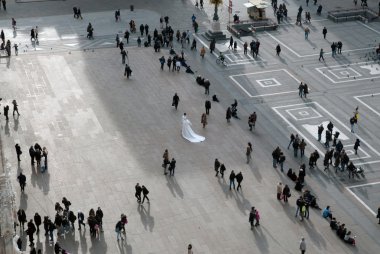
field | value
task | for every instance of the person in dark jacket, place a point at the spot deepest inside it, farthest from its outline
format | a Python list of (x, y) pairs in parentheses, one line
[(286, 193), (356, 145), (252, 216), (18, 151), (145, 194), (228, 114), (32, 154), (175, 98), (232, 179), (21, 216), (99, 218), (22, 180), (37, 221), (207, 107), (30, 231), (239, 179), (171, 167)]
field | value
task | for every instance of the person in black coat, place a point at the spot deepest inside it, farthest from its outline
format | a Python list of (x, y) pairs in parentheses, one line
[(171, 168), (232, 179), (32, 154), (228, 114), (30, 231), (21, 216), (18, 151), (239, 179), (208, 106), (175, 100), (356, 145), (22, 180), (37, 221), (145, 194)]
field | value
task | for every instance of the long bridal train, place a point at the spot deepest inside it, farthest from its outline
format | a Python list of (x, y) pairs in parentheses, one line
[(188, 133)]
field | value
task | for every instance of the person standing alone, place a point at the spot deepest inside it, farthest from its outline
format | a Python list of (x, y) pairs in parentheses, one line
[(248, 152)]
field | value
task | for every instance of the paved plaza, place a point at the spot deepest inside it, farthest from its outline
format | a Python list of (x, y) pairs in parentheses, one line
[(105, 133)]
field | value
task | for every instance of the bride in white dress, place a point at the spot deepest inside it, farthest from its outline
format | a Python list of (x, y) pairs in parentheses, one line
[(188, 133)]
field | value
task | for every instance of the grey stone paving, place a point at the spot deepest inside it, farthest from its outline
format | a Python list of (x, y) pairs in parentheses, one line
[(104, 133)]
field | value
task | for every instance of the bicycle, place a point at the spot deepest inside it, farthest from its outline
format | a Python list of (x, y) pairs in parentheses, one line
[(221, 61)]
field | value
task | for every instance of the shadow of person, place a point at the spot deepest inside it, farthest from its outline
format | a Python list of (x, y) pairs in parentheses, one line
[(150, 219), (6, 128), (23, 201), (33, 176), (45, 182), (8, 62), (142, 211), (225, 187), (82, 238), (16, 123), (49, 246), (100, 246), (174, 186)]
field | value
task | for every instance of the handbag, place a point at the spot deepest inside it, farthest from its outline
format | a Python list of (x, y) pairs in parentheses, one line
[(289, 195)]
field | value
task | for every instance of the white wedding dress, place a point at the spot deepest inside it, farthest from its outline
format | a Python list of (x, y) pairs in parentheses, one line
[(188, 133)]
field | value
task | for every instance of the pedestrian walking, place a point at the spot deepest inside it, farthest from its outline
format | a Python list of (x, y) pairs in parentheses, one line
[(216, 166), (138, 191), (292, 138), (252, 121), (324, 32), (32, 153), (239, 179), (305, 90), (207, 107), (257, 217), (222, 169), (72, 218), (307, 31), (231, 43), (37, 220), (80, 219), (252, 216), (18, 151), (15, 107), (118, 228), (281, 161), (207, 84), (201, 3), (276, 155), (248, 152), (245, 46), (127, 71), (21, 217), (175, 99), (30, 231), (286, 193), (378, 214), (320, 131), (204, 120), (124, 55), (171, 168), (165, 162), (212, 45), (22, 181), (162, 61), (295, 147), (232, 179), (145, 194), (302, 146), (228, 114), (279, 191), (356, 146), (352, 123), (203, 52), (6, 110), (14, 24), (303, 245), (301, 89), (278, 50), (321, 55)]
